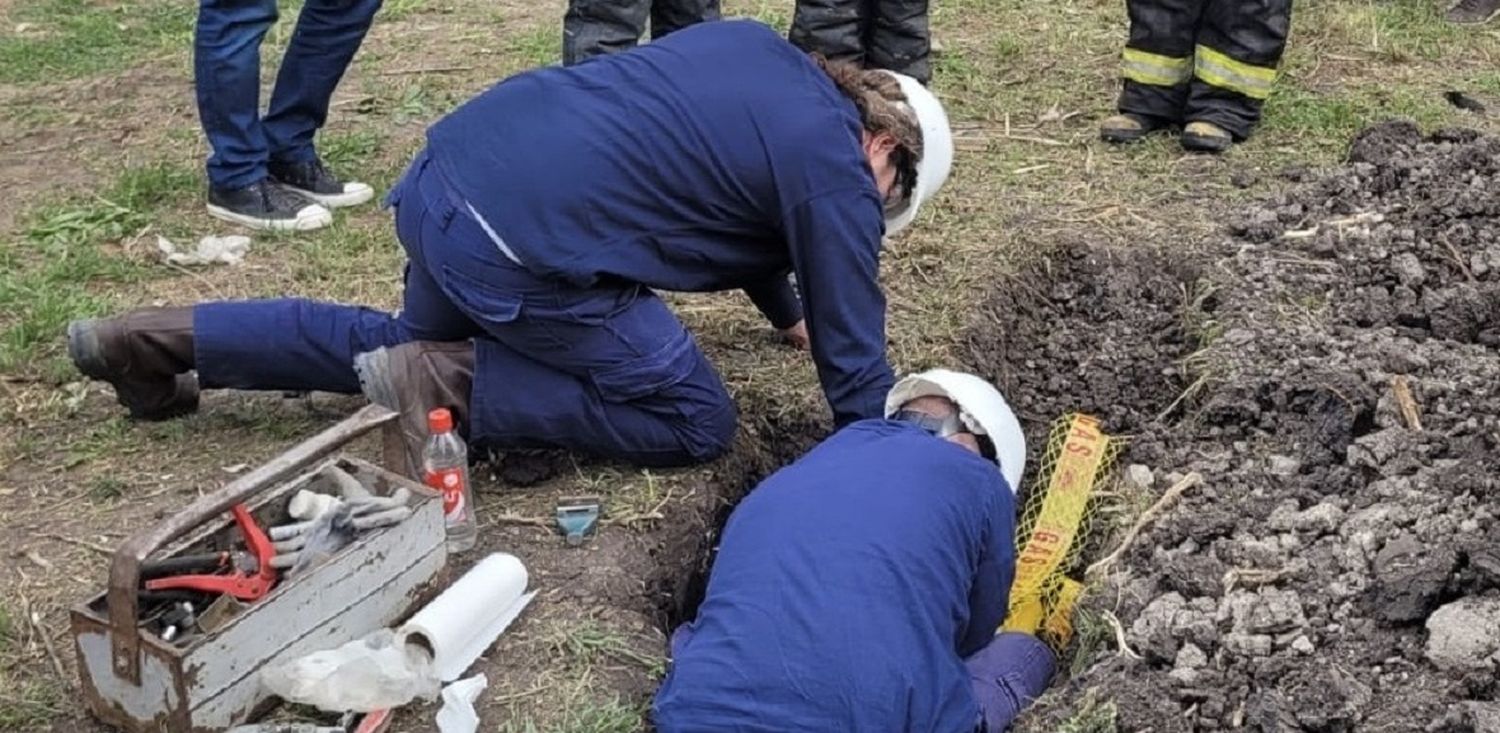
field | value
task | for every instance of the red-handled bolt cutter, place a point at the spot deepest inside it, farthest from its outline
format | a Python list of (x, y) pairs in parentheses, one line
[(250, 577)]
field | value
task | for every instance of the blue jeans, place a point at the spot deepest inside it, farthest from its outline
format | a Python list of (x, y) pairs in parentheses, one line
[(607, 370), (226, 70)]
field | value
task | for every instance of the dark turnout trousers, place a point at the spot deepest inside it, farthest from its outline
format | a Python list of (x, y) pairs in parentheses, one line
[(1204, 60), (880, 34), (595, 27)]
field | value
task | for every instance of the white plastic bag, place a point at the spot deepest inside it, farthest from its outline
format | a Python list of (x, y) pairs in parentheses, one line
[(458, 714), (364, 675)]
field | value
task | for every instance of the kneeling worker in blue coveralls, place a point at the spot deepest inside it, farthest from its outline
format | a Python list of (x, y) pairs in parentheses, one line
[(860, 589), (537, 223)]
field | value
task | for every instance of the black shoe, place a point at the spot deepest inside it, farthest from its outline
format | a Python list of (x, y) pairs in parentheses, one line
[(268, 206), (313, 180)]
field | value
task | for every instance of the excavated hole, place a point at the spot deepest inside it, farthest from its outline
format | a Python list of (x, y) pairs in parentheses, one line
[(1089, 329)]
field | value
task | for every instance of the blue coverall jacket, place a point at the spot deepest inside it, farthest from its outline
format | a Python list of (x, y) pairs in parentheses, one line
[(846, 592), (545, 211)]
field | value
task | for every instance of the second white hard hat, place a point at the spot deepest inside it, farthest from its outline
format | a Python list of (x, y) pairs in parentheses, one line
[(937, 152), (982, 408)]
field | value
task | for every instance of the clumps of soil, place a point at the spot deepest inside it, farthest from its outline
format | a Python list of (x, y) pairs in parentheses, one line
[(1338, 569)]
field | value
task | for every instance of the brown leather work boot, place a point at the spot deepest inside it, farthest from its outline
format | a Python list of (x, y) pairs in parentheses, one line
[(145, 355), (1125, 128), (415, 378), (1206, 137)]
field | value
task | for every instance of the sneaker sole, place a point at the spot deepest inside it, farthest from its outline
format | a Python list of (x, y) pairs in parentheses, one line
[(305, 222), (359, 195)]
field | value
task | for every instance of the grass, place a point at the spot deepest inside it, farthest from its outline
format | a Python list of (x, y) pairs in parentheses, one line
[(1092, 716), (48, 40), (611, 715), (584, 644), (26, 702), (69, 262), (536, 47)]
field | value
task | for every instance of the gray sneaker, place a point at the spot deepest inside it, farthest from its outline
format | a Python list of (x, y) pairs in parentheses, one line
[(1473, 12)]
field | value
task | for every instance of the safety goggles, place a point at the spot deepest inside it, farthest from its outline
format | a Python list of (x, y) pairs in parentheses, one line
[(942, 427)]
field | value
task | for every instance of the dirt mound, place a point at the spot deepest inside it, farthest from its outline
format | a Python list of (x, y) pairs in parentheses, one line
[(1338, 570)]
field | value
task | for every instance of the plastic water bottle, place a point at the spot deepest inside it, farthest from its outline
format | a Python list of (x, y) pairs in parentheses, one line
[(445, 468)]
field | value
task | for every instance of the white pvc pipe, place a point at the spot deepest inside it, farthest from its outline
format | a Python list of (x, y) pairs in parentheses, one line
[(467, 617)]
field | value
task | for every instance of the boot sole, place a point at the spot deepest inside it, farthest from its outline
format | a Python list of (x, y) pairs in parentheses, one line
[(1473, 21), (83, 349), (1199, 144), (374, 371), (314, 220), (378, 383), (1122, 138)]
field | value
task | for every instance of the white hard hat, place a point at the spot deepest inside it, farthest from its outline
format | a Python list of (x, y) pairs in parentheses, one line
[(937, 152), (981, 407)]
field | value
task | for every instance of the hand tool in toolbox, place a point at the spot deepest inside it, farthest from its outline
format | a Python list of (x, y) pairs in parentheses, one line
[(250, 575)]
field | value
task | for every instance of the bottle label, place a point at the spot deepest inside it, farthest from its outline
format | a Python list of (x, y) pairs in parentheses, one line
[(449, 481)]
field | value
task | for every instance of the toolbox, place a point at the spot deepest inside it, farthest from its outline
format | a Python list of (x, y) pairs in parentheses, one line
[(136, 680)]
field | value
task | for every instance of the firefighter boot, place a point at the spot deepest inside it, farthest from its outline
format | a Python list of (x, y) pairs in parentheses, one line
[(1206, 137), (1128, 128), (414, 378), (145, 355)]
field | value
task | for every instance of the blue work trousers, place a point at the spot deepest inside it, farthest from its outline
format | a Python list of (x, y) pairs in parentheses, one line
[(1007, 675), (607, 370), (226, 71)]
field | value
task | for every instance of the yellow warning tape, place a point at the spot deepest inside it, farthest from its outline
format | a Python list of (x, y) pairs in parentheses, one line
[(1051, 528)]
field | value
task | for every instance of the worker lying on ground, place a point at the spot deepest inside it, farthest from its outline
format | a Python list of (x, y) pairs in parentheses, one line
[(861, 588), (538, 220)]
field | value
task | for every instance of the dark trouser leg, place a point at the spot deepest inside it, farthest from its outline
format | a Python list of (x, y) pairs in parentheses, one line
[(328, 34), (1239, 47), (899, 38), (834, 28), (226, 75), (1158, 57), (304, 345), (673, 15), (1007, 675), (596, 27), (622, 391)]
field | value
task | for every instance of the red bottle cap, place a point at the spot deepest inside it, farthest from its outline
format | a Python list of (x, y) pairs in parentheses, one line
[(439, 421)]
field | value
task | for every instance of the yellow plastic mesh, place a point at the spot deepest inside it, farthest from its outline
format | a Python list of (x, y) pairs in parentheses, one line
[(1054, 525)]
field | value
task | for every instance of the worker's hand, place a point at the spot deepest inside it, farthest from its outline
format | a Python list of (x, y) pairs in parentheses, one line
[(796, 335)]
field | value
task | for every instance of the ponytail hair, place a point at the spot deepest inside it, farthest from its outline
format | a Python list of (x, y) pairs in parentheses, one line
[(882, 107)]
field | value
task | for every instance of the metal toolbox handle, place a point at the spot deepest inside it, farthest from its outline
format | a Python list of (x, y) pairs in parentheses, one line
[(125, 569)]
